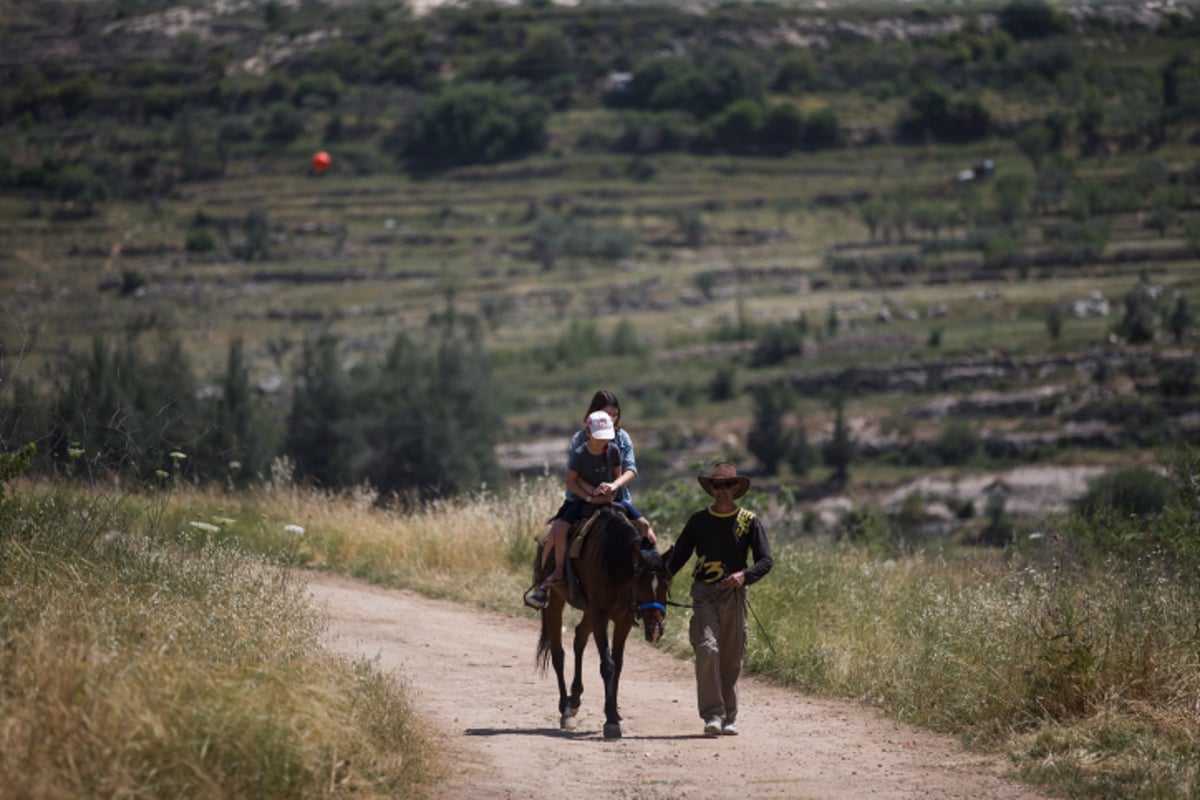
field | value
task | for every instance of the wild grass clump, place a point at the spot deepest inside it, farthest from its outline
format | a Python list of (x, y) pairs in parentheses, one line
[(141, 665), (476, 547)]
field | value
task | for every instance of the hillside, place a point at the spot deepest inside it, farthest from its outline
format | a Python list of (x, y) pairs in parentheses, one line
[(977, 225)]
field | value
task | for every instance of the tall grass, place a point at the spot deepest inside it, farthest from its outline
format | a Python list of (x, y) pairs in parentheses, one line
[(478, 548), (140, 661), (1083, 671)]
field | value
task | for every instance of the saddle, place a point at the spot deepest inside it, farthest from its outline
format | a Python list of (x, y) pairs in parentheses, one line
[(576, 536)]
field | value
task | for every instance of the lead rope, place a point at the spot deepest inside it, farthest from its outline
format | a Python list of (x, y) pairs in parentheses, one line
[(761, 629)]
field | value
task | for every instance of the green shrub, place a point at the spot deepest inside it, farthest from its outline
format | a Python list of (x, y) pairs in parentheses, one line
[(1177, 378), (201, 240), (958, 443), (1137, 491), (476, 123), (285, 123), (779, 341)]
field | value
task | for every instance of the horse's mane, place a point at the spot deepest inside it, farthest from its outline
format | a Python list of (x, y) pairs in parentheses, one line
[(617, 538)]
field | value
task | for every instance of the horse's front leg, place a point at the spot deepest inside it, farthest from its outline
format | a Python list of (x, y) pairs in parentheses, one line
[(552, 629), (612, 720), (621, 630), (582, 631)]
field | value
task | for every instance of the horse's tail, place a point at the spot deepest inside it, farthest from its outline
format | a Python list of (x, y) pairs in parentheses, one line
[(542, 659)]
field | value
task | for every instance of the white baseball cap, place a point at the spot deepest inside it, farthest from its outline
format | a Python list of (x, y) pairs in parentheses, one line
[(600, 425)]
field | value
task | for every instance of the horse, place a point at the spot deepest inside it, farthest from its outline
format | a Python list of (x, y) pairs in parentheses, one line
[(620, 583)]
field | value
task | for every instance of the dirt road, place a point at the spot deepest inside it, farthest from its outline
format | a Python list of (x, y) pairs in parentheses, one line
[(474, 680)]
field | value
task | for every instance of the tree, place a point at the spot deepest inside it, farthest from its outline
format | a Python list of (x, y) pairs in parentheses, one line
[(838, 451), (284, 123), (822, 130), (783, 130), (1011, 193), (739, 126), (779, 342), (258, 233), (766, 439), (801, 457), (315, 438), (241, 441), (429, 418), (1032, 19), (1035, 142), (123, 411), (1180, 319), (797, 72), (1137, 326), (873, 213), (476, 123), (648, 79), (81, 185), (544, 56)]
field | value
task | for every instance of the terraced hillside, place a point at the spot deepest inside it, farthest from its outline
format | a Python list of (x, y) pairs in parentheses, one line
[(999, 234)]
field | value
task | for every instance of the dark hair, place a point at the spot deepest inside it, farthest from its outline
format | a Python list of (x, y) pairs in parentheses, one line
[(602, 400)]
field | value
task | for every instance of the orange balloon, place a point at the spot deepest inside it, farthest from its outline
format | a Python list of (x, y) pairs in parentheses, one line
[(320, 161)]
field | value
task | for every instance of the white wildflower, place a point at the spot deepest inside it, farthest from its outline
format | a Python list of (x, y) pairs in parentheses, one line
[(207, 527), (294, 529)]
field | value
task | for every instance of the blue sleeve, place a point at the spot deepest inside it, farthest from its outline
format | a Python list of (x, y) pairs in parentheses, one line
[(628, 463), (625, 445)]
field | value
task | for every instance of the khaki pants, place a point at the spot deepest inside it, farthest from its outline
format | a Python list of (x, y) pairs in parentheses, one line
[(718, 632)]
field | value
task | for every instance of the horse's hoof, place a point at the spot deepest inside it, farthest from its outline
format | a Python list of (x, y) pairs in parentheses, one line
[(568, 722), (613, 730)]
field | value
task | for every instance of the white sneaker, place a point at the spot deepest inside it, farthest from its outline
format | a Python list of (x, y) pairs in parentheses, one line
[(713, 727), (729, 729)]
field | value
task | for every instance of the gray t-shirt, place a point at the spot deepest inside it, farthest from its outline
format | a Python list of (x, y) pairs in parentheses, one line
[(594, 469)]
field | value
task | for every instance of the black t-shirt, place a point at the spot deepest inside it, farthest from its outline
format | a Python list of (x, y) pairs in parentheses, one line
[(722, 543)]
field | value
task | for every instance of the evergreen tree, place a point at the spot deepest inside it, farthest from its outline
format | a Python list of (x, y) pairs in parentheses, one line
[(801, 457), (430, 418), (838, 452), (766, 439), (125, 412), (314, 440), (241, 444), (1180, 319)]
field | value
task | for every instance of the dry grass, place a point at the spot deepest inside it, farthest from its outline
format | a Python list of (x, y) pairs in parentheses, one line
[(1085, 677), (477, 548), (141, 664)]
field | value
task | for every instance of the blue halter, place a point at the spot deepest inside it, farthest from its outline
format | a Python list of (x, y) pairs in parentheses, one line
[(644, 606)]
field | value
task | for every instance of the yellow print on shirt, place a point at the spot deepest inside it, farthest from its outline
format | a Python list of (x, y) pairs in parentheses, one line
[(709, 571), (744, 518)]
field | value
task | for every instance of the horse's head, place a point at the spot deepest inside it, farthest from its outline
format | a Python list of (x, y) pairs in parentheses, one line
[(651, 588)]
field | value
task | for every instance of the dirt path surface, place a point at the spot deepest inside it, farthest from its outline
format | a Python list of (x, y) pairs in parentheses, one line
[(473, 678)]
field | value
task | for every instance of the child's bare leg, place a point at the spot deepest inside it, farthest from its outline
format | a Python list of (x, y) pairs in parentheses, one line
[(556, 542), (643, 526)]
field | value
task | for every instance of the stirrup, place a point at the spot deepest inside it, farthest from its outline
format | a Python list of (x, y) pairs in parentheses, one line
[(537, 597)]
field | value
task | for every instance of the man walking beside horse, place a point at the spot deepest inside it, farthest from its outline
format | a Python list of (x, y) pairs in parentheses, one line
[(723, 536)]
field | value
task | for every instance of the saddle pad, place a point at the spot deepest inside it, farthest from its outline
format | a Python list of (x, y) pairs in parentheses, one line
[(578, 534)]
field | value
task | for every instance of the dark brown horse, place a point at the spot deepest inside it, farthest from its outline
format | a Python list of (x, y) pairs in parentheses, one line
[(620, 583)]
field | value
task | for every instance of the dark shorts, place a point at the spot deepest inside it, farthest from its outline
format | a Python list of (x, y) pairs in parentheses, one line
[(572, 510)]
